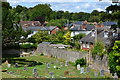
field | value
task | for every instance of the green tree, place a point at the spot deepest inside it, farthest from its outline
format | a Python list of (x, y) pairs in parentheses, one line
[(114, 58), (67, 37)]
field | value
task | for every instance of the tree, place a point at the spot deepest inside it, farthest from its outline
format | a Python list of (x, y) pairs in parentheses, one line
[(114, 58), (67, 37), (95, 13), (78, 37)]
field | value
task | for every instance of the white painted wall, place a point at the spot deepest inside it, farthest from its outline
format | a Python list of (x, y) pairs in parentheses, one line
[(73, 33)]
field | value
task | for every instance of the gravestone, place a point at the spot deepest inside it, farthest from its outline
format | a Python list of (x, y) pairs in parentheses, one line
[(51, 74), (66, 63), (54, 67), (102, 72), (25, 67), (88, 69), (34, 70), (61, 64), (35, 74), (78, 67), (57, 61), (48, 65), (52, 62), (16, 64), (115, 75), (95, 73), (9, 65), (82, 70)]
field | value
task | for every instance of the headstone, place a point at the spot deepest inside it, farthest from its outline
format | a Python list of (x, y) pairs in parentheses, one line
[(16, 64), (34, 70), (54, 66), (51, 74), (9, 65), (88, 69), (52, 62), (48, 65), (35, 74), (95, 73), (25, 67), (66, 63), (115, 75), (57, 61), (78, 67), (61, 64), (82, 70), (101, 72)]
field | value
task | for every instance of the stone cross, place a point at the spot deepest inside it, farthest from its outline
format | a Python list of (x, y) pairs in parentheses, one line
[(78, 67)]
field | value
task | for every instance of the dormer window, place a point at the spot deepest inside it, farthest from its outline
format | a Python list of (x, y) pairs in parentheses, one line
[(93, 33), (106, 34)]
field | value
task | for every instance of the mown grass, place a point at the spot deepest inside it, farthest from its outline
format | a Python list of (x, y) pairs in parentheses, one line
[(19, 72)]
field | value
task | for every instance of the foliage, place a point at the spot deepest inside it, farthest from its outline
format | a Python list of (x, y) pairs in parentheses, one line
[(114, 58), (41, 36), (98, 49), (81, 61), (67, 37), (78, 37), (28, 45)]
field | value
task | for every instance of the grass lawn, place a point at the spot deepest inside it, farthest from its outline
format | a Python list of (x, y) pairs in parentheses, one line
[(19, 72)]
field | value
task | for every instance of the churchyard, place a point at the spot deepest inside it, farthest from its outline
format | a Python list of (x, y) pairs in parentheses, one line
[(39, 66)]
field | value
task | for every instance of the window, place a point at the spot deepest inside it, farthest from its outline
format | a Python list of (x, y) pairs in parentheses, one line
[(106, 34), (88, 45), (84, 45)]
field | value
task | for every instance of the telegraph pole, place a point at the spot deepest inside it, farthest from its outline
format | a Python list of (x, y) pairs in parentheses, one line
[(95, 33)]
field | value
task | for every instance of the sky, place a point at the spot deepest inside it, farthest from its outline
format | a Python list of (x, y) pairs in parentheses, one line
[(66, 5)]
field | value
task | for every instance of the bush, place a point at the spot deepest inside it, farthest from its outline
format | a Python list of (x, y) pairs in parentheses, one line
[(81, 61)]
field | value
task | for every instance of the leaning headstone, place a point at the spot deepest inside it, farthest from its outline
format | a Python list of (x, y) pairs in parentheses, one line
[(101, 72), (48, 65), (82, 70), (9, 65), (34, 70), (115, 75), (16, 64), (78, 67), (66, 63), (95, 73), (88, 69), (25, 67), (51, 74)]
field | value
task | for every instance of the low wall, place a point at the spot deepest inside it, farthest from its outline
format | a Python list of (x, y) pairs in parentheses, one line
[(60, 53)]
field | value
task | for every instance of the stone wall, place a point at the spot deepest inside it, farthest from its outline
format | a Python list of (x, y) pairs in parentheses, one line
[(98, 63), (60, 53)]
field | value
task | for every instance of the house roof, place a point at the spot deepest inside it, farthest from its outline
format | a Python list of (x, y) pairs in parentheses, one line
[(100, 37), (108, 23), (79, 28), (78, 23), (50, 28), (29, 23)]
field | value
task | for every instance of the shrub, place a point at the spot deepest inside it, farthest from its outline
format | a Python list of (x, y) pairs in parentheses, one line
[(81, 61)]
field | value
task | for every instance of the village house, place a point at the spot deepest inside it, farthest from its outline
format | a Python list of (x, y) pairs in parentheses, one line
[(35, 26), (83, 29), (104, 35)]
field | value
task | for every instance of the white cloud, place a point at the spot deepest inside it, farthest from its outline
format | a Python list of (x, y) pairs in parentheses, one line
[(77, 7), (99, 9)]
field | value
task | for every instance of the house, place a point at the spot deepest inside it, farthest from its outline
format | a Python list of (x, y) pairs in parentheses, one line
[(104, 35), (84, 29), (50, 29), (29, 23), (108, 24)]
